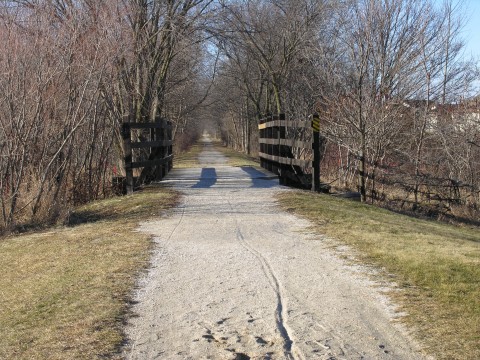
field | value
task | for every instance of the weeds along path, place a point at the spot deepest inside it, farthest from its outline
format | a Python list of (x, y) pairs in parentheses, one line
[(234, 277)]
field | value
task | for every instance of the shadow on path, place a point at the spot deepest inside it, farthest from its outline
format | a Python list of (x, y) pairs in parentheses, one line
[(259, 179), (208, 178)]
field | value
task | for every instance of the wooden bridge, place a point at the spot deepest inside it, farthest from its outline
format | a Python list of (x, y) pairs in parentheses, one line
[(289, 149)]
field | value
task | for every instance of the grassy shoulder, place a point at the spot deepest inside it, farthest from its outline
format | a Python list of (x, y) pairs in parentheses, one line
[(65, 292), (235, 158), (189, 158), (437, 266)]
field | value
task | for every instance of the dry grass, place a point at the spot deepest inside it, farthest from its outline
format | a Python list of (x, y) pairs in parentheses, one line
[(188, 158), (236, 158), (437, 265), (65, 292)]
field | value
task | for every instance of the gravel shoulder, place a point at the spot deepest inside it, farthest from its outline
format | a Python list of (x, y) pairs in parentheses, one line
[(235, 277)]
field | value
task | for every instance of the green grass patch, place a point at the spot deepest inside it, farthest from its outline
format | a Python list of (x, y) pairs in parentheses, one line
[(65, 292), (436, 264)]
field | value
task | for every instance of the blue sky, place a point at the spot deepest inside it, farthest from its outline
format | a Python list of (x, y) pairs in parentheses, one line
[(470, 9), (472, 28)]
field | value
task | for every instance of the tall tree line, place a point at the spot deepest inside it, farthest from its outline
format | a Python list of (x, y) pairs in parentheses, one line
[(70, 73), (387, 77)]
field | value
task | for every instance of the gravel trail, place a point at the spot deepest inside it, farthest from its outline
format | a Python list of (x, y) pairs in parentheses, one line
[(235, 277)]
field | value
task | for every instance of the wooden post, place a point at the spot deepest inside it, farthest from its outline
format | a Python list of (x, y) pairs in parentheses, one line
[(316, 153), (169, 136), (269, 133), (159, 169), (127, 146), (282, 130), (262, 145)]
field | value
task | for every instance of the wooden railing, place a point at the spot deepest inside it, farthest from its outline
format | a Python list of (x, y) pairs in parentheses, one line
[(157, 144), (277, 151)]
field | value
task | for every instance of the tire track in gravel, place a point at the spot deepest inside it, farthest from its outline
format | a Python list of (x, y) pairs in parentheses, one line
[(182, 216), (280, 311)]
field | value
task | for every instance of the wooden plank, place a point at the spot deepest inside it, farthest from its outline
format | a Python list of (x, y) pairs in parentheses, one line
[(285, 123), (151, 144), (268, 141), (146, 163), (162, 125), (298, 144), (286, 161), (286, 142)]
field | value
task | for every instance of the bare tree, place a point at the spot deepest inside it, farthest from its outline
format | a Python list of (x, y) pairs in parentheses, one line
[(385, 49), (271, 33), (48, 102)]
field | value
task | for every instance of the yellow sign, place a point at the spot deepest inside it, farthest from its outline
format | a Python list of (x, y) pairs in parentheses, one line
[(316, 123)]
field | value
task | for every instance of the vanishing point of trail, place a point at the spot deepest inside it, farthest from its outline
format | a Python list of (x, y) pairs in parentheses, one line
[(235, 277)]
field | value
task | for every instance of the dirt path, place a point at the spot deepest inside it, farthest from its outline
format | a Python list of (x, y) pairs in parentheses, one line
[(234, 277)]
